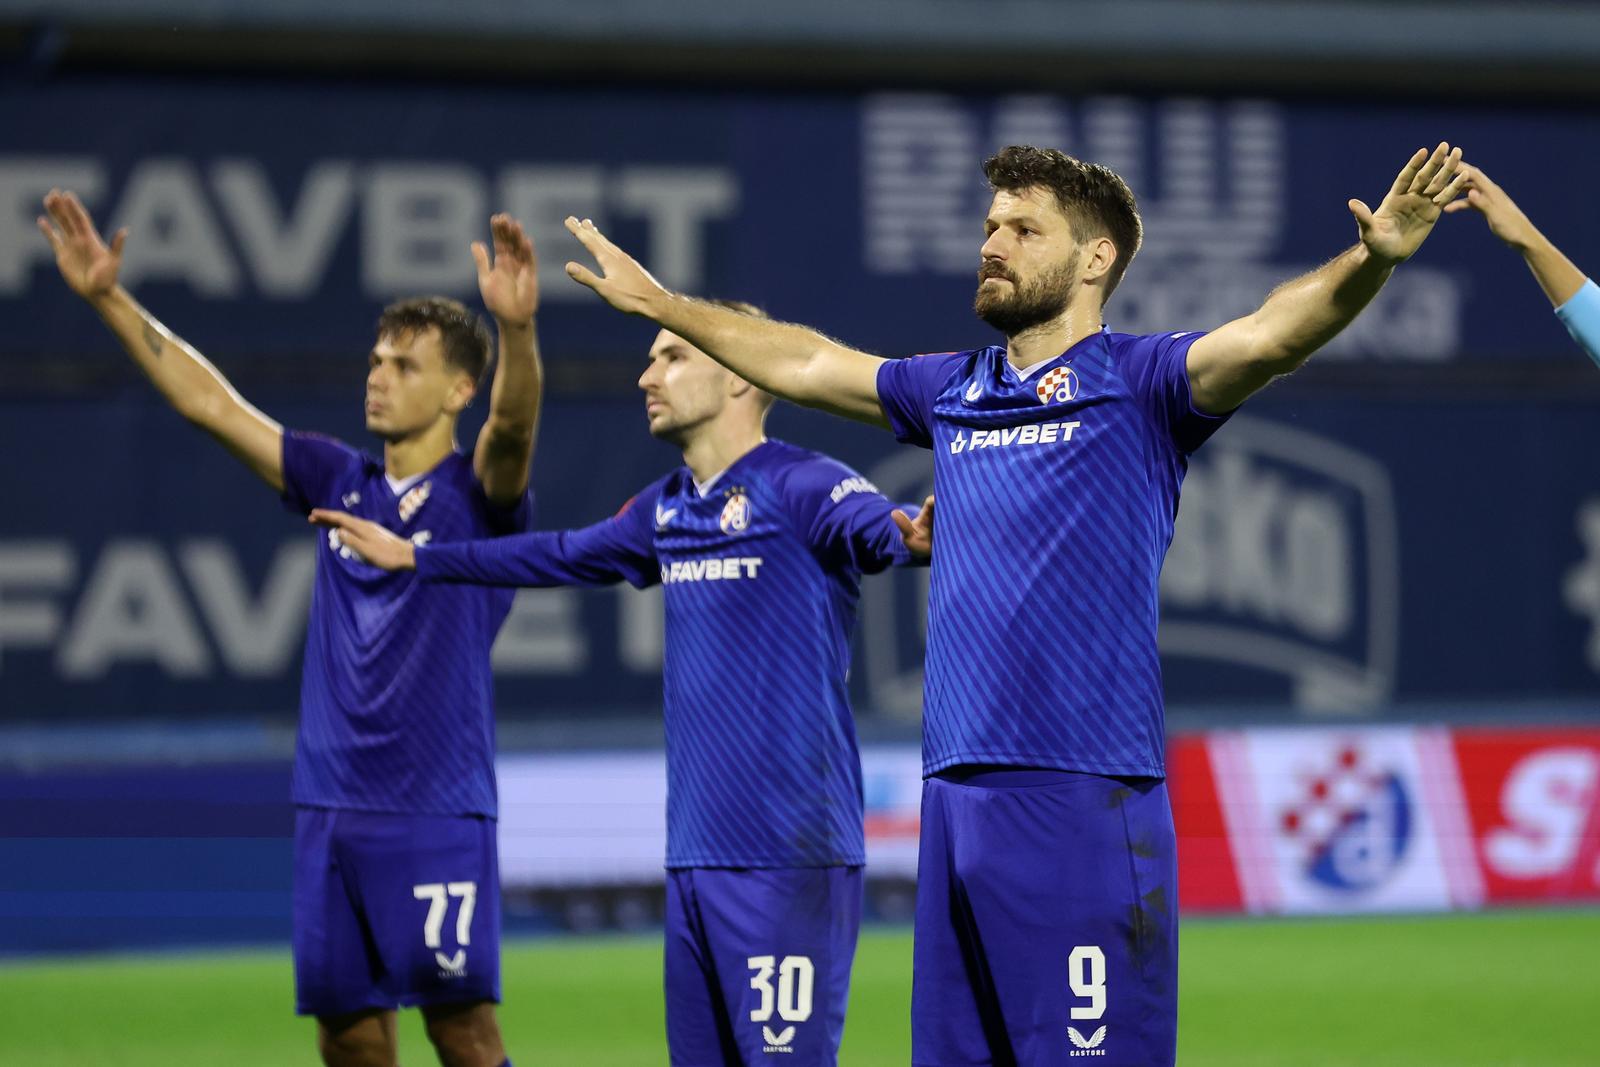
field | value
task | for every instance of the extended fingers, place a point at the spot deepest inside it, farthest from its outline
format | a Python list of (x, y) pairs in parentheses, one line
[(583, 275), (1446, 195), (1441, 179), (1408, 173), (49, 232)]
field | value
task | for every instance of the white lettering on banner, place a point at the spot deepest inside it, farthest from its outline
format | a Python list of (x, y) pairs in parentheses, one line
[(286, 252), (39, 567), (133, 609), (179, 235), (1581, 587), (1546, 801), (258, 637), (419, 218), (138, 600), (414, 220), (710, 570), (1216, 191)]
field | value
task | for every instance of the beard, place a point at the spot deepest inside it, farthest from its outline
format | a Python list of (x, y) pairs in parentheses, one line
[(1026, 306)]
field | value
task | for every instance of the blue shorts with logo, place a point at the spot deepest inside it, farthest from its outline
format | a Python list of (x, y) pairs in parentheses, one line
[(758, 963), (1046, 928), (394, 910)]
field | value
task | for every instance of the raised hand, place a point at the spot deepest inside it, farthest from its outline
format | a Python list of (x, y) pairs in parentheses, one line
[(622, 282), (1403, 221), (509, 283), (1506, 220), (87, 264), (918, 532), (368, 540)]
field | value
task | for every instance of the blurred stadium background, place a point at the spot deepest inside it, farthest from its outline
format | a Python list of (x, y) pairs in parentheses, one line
[(1382, 608)]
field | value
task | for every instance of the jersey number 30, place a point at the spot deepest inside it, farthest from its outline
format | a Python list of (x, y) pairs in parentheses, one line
[(795, 979)]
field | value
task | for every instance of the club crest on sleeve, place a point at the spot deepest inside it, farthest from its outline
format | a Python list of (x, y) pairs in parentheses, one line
[(415, 497), (735, 513), (1058, 386)]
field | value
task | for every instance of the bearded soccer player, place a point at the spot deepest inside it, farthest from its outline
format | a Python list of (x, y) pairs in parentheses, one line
[(760, 547), (1046, 897), (396, 887), (1575, 297)]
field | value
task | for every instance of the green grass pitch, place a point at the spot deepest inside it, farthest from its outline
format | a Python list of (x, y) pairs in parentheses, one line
[(1502, 989)]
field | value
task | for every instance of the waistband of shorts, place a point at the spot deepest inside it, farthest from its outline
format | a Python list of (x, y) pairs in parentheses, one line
[(1005, 776)]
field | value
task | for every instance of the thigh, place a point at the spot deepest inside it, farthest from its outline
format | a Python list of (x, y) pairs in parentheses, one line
[(1073, 891), (782, 943), (337, 971), (954, 1015), (430, 888), (699, 1033)]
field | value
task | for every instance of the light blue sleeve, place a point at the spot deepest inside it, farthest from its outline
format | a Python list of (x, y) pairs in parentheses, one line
[(1581, 315)]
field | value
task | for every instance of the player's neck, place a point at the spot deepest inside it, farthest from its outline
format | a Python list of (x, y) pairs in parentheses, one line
[(716, 446), (420, 452), (1049, 339)]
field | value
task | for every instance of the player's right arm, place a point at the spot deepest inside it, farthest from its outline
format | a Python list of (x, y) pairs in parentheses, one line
[(619, 549), (187, 379), (1575, 298), (794, 362)]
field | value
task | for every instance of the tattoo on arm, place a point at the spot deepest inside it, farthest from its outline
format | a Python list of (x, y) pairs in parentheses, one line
[(152, 340)]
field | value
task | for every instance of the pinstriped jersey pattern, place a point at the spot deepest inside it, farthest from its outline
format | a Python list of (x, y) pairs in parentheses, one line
[(761, 578), (396, 696), (1057, 496)]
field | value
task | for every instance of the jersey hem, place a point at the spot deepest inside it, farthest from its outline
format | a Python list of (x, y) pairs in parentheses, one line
[(1053, 763)]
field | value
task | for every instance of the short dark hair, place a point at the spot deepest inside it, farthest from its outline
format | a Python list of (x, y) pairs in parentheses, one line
[(1095, 199), (463, 334)]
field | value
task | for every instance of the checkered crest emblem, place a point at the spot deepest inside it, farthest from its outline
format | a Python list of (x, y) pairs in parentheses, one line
[(1058, 387)]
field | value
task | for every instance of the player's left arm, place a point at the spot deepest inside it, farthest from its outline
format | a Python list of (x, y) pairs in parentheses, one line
[(1232, 362), (509, 284), (848, 521)]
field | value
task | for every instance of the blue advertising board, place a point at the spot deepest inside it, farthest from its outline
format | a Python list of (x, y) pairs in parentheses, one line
[(277, 218), (1332, 552)]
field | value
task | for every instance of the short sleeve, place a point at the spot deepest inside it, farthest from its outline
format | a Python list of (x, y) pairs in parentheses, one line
[(907, 389), (1158, 368), (312, 466), (843, 517), (1581, 316)]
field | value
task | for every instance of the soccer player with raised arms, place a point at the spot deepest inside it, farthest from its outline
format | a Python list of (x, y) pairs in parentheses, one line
[(1046, 900), (396, 883), (760, 547)]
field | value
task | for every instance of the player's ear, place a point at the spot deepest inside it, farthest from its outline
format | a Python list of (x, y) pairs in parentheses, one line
[(462, 390), (1097, 257)]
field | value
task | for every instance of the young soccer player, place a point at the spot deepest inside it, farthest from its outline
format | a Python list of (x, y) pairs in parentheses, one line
[(396, 887), (760, 546), (1575, 297), (1046, 898)]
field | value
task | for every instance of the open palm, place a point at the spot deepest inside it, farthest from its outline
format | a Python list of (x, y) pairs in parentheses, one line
[(509, 283), (86, 262), (1414, 203)]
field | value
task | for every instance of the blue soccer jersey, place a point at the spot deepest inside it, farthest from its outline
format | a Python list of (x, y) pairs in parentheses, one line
[(761, 577), (1057, 494), (396, 699)]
